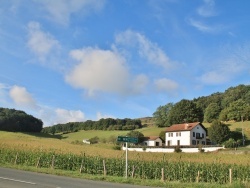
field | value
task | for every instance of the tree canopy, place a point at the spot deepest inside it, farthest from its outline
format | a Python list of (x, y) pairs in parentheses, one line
[(233, 104), (102, 124), (218, 132), (18, 121)]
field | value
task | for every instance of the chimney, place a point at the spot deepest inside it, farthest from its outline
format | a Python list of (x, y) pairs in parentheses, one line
[(186, 125)]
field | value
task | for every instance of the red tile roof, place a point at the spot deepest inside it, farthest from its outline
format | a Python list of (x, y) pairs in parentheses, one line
[(151, 137), (183, 127)]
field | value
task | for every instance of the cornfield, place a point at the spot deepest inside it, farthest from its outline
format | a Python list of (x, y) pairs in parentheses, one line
[(167, 170)]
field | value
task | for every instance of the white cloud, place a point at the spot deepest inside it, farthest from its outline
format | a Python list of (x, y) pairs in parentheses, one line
[(146, 49), (166, 85), (40, 43), (99, 70), (22, 97), (99, 116), (201, 26), (207, 9), (65, 116), (60, 11)]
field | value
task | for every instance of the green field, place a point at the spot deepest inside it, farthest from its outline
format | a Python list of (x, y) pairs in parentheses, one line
[(71, 144)]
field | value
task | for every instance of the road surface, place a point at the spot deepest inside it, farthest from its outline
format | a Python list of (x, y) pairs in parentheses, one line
[(12, 178)]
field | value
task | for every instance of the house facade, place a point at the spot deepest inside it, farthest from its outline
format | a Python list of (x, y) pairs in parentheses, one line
[(152, 141), (186, 134)]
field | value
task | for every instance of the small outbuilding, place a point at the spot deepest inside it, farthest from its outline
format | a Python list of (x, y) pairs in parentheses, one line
[(152, 141)]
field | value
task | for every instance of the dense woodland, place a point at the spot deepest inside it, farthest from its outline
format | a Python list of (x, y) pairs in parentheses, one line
[(231, 105), (102, 124), (18, 121)]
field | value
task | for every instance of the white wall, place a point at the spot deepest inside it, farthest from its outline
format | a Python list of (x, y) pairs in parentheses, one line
[(171, 150)]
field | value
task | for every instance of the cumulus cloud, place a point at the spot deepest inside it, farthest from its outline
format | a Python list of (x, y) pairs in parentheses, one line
[(100, 70), (166, 85), (22, 97), (99, 116), (60, 11), (207, 9), (39, 42), (146, 49), (65, 116)]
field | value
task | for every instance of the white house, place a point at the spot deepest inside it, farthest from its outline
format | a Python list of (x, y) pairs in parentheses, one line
[(186, 134), (152, 141)]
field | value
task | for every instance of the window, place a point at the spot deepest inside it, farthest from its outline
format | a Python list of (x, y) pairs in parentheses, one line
[(203, 142), (193, 134), (193, 142), (202, 135), (178, 134), (170, 134)]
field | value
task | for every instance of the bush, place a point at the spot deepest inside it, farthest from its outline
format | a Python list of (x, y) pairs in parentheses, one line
[(177, 149)]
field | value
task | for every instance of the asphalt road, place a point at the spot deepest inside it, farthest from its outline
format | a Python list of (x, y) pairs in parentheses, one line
[(11, 178)]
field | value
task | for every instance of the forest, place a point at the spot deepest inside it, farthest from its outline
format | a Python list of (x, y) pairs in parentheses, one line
[(231, 105), (18, 121), (102, 124)]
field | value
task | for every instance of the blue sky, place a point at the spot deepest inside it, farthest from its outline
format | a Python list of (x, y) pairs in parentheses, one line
[(74, 60)]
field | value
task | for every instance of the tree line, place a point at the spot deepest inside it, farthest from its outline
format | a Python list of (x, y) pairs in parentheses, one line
[(233, 104), (102, 124), (18, 121)]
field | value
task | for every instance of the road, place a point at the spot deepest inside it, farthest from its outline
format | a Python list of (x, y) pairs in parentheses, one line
[(12, 178)]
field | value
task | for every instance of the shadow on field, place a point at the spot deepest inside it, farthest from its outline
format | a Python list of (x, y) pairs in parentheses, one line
[(45, 135)]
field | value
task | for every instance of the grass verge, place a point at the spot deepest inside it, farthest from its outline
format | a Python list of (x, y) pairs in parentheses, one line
[(132, 181)]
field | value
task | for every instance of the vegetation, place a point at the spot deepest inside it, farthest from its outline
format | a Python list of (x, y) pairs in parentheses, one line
[(172, 171), (218, 132), (102, 124), (233, 104), (18, 121)]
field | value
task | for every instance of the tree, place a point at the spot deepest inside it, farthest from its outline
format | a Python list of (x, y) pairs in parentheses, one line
[(212, 112), (234, 111), (218, 132), (161, 115), (136, 134), (162, 135), (185, 111)]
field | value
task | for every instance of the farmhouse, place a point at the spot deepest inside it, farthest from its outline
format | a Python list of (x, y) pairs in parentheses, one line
[(186, 134), (152, 141)]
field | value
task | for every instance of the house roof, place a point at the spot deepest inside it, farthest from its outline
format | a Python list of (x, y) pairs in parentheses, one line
[(151, 138), (184, 127)]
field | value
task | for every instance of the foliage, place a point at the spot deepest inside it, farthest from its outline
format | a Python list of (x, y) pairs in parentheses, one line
[(94, 140), (212, 112), (233, 104), (162, 135), (161, 115), (231, 143), (18, 121), (102, 124), (185, 111), (136, 134), (218, 132), (177, 149)]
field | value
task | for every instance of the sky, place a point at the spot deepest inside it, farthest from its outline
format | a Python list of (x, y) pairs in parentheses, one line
[(76, 60)]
